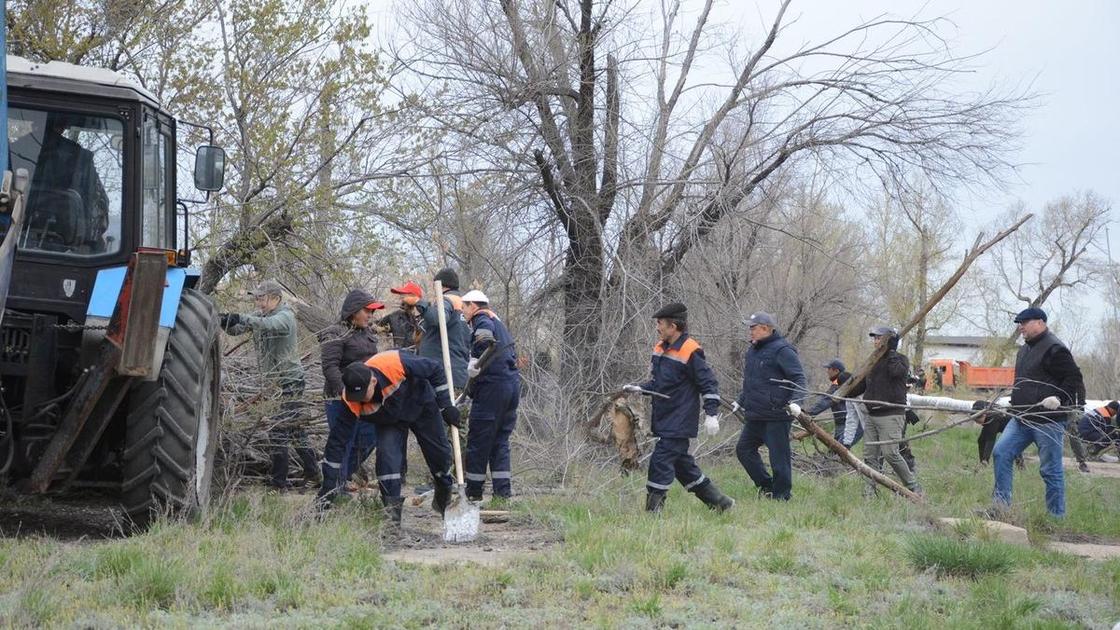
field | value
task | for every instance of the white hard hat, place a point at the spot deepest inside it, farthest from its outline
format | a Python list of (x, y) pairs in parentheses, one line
[(476, 296)]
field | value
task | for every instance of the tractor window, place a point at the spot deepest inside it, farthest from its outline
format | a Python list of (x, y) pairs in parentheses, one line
[(157, 221), (76, 167)]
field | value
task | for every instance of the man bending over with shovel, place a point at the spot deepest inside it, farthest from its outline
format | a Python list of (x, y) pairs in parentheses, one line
[(681, 378), (400, 392)]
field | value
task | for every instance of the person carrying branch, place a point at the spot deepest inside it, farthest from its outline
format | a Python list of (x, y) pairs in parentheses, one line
[(886, 383), (400, 392), (1048, 384), (495, 390), (763, 401), (273, 326), (680, 373), (837, 376)]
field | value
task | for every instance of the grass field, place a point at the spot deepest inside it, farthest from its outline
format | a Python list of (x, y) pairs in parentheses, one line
[(829, 558)]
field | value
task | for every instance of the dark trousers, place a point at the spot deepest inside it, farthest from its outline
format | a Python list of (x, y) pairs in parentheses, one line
[(349, 443), (775, 436), (285, 434), (493, 417), (391, 438), (671, 460)]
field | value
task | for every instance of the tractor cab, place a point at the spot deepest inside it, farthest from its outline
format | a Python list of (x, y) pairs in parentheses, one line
[(110, 360)]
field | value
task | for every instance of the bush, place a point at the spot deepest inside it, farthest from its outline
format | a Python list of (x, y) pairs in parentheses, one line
[(949, 556)]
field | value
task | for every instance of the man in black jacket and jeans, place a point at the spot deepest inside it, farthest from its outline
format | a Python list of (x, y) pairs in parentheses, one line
[(886, 383), (1048, 384)]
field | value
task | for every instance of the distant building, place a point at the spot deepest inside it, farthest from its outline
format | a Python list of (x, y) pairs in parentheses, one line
[(958, 348)]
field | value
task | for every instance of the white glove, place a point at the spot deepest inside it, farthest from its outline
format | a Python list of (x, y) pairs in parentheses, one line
[(472, 368), (1051, 402), (735, 407), (794, 409), (711, 425), (632, 389)]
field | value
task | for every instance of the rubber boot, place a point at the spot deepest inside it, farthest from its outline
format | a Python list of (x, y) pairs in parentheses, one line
[(713, 498), (655, 501), (441, 498), (312, 475), (393, 507)]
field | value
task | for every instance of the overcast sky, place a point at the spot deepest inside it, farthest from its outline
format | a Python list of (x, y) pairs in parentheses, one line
[(1068, 51)]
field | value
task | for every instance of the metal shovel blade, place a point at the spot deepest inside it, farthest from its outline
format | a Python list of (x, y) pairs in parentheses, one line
[(461, 519)]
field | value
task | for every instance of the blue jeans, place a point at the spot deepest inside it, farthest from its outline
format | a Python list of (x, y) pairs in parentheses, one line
[(349, 443), (1019, 434), (775, 435)]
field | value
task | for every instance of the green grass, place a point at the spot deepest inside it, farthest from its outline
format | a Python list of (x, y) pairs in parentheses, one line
[(963, 558), (829, 558)]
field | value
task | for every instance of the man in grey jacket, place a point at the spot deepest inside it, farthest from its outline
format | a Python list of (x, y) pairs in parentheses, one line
[(273, 326)]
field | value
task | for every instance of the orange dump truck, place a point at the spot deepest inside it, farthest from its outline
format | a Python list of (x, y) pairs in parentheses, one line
[(950, 374)]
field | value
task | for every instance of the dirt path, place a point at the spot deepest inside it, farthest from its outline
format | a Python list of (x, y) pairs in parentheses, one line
[(421, 540)]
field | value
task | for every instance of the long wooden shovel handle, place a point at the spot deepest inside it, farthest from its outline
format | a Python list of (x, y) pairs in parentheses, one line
[(438, 305)]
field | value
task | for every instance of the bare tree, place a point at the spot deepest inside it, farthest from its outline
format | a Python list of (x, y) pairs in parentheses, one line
[(1061, 251)]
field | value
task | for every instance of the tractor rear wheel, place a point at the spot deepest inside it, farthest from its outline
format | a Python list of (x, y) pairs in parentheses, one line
[(171, 429)]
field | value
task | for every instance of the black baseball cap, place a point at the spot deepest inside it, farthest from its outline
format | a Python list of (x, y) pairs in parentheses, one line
[(355, 381)]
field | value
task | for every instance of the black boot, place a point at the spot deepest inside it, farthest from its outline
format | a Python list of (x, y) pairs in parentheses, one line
[(713, 498), (655, 501), (393, 507), (441, 498)]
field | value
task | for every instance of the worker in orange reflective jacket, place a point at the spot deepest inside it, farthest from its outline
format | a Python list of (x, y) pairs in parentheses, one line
[(680, 374), (399, 392)]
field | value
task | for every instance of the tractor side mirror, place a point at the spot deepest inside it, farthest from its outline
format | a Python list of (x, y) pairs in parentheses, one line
[(209, 168)]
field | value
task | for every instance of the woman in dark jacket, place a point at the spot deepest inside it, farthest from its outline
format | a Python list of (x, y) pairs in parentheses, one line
[(349, 442)]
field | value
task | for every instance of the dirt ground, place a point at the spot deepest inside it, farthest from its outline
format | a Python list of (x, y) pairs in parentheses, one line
[(70, 517), (421, 539)]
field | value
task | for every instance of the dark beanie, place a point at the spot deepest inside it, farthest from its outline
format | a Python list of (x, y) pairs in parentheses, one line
[(448, 278)]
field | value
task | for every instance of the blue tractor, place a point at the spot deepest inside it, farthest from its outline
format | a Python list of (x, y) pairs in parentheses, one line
[(110, 363)]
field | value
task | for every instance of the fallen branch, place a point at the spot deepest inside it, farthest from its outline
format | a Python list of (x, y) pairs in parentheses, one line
[(853, 461)]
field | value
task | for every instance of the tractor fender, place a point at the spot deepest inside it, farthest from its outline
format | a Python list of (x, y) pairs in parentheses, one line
[(103, 299)]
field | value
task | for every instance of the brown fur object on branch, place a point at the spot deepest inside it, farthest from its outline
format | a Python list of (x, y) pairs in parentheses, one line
[(624, 429)]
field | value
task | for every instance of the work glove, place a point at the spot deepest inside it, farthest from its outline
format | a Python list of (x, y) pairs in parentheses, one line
[(632, 388), (452, 417), (979, 405), (711, 425), (794, 409), (1051, 402), (229, 320), (472, 368)]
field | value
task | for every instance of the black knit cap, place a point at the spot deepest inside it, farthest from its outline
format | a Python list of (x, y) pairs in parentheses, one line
[(448, 278), (673, 310)]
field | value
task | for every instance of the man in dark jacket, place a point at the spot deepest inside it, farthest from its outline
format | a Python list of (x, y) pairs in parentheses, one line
[(401, 392), (495, 392), (1100, 428), (1048, 384), (763, 401), (458, 333), (349, 442), (837, 376), (886, 383), (682, 378)]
